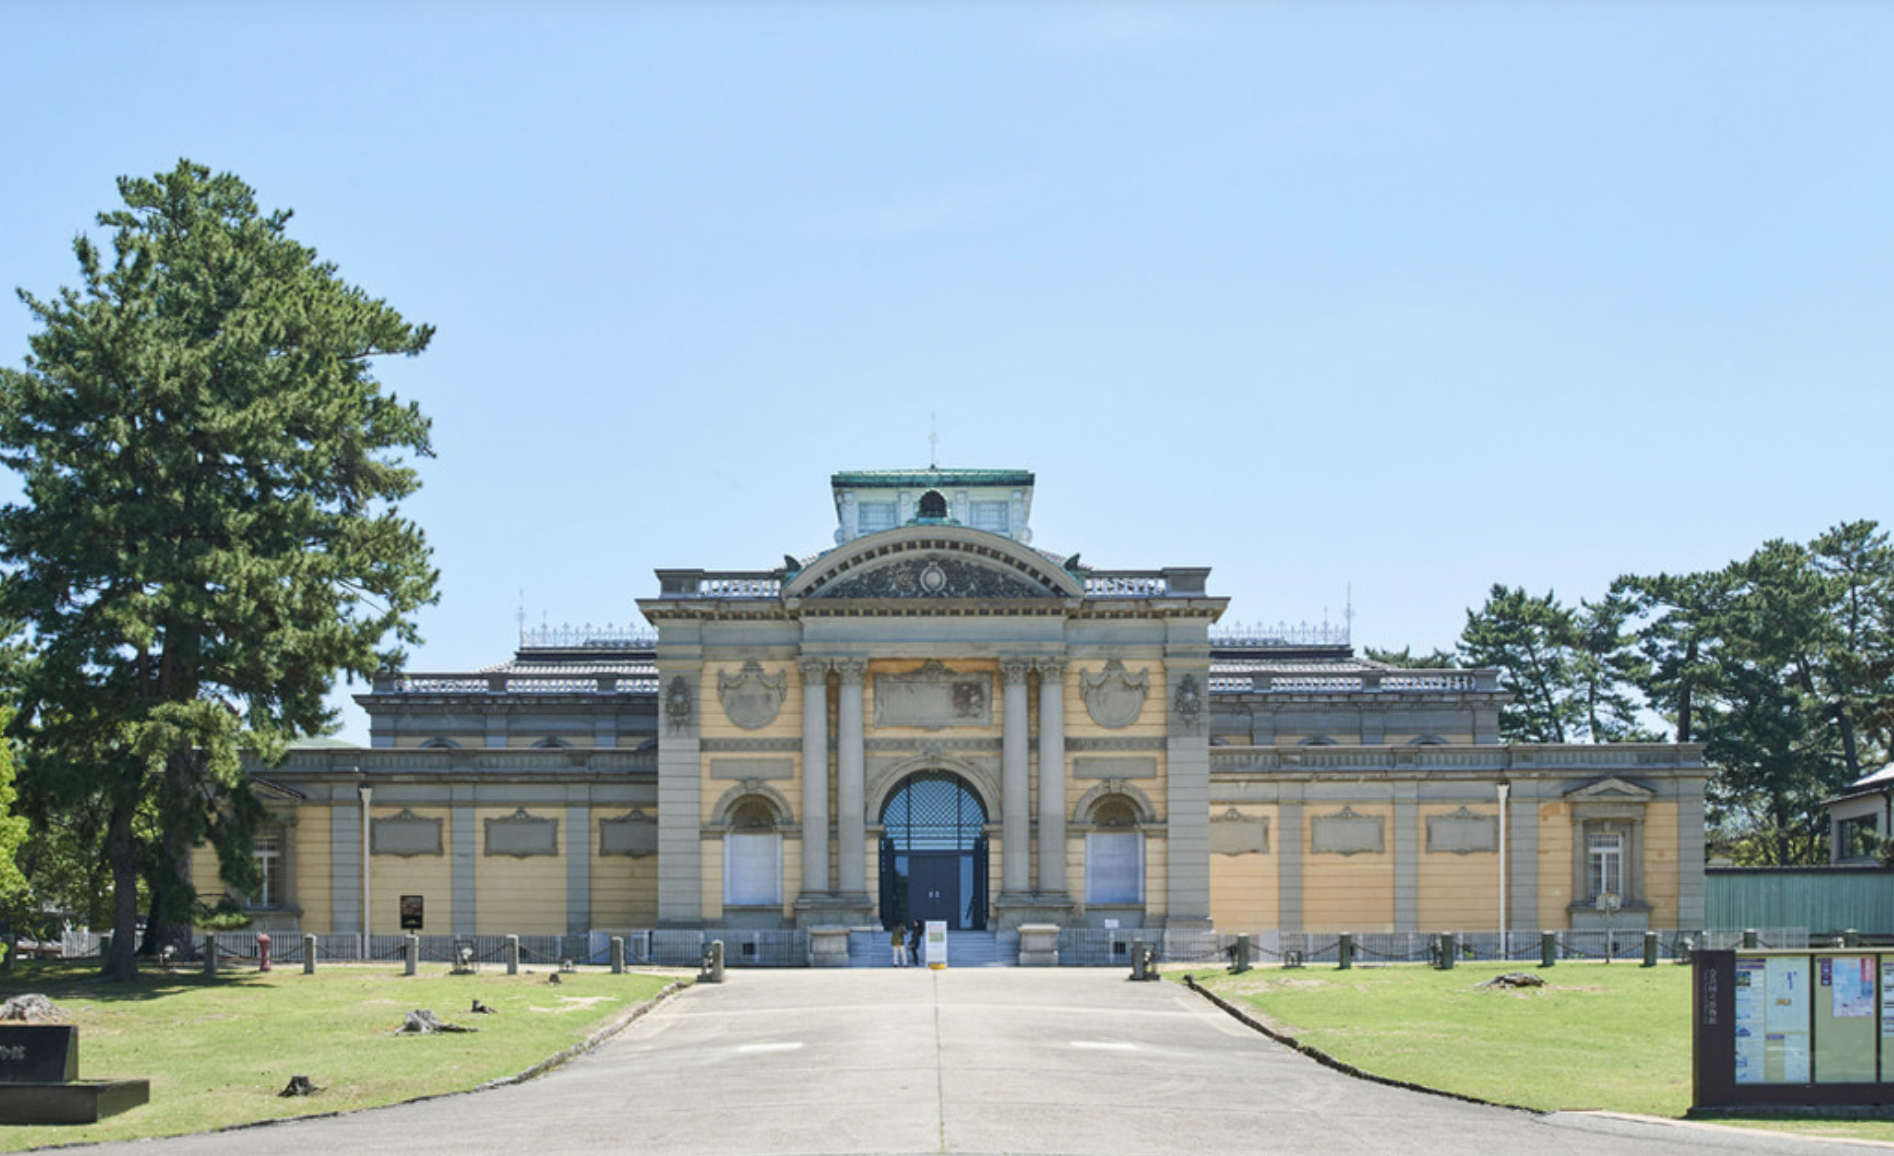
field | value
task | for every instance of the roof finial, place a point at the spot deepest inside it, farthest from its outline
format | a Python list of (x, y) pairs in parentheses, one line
[(933, 445)]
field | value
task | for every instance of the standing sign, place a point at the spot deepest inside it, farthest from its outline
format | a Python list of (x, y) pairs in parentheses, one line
[(1793, 1028), (412, 907), (937, 944)]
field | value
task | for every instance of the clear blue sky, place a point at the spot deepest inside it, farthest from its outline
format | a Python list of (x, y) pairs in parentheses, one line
[(1417, 297)]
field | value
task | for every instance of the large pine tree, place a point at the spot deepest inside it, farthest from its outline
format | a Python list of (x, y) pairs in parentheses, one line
[(209, 532)]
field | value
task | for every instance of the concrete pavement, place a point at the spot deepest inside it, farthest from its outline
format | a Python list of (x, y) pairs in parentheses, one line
[(790, 1063)]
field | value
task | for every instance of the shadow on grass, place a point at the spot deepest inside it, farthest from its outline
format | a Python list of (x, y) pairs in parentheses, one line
[(73, 979)]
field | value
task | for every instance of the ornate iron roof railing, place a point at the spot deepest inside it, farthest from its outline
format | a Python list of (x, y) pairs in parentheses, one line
[(1281, 634), (606, 637)]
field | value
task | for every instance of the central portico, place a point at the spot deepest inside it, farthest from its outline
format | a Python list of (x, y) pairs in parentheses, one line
[(933, 719)]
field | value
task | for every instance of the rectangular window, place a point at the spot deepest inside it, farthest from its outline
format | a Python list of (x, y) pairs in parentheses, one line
[(873, 516), (1860, 838), (992, 516), (1607, 865), (269, 856), (752, 870), (1114, 867)]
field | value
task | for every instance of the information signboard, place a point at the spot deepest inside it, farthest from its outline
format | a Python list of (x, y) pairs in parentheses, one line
[(1793, 1027), (937, 944)]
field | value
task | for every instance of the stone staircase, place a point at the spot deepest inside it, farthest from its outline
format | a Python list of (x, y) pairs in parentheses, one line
[(964, 949)]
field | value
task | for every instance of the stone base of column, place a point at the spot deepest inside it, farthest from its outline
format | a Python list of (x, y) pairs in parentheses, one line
[(834, 909), (828, 947), (1013, 910), (1038, 945)]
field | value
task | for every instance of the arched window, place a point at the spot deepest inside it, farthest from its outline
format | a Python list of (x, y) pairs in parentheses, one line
[(933, 505), (440, 744), (1114, 854), (551, 743), (753, 856)]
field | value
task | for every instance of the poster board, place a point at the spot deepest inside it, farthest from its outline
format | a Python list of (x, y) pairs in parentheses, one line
[(1788, 1028), (936, 932)]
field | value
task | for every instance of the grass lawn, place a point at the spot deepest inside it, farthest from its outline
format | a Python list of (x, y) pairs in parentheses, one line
[(1598, 1036), (218, 1050)]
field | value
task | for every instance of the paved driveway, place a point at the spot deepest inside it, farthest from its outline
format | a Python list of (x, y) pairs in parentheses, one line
[(975, 1061)]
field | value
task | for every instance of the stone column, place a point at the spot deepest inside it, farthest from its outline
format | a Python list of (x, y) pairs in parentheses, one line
[(851, 829), (1015, 781), (815, 776), (1052, 776)]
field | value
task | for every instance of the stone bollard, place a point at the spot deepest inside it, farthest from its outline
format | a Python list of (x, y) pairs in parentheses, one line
[(1851, 938), (512, 955), (1650, 949), (1448, 950), (1749, 939), (411, 955), (210, 955), (1240, 961), (1345, 951), (1548, 948), (618, 955), (309, 955), (711, 970), (1137, 959)]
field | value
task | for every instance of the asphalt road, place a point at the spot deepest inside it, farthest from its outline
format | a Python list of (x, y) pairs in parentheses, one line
[(1065, 1061)]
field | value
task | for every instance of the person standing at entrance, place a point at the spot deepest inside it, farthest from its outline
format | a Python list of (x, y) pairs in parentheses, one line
[(899, 942), (914, 942)]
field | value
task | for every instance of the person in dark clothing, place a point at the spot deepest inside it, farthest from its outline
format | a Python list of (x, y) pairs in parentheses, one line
[(914, 943)]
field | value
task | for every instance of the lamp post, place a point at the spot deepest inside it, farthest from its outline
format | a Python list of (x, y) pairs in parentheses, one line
[(367, 794), (1505, 789)]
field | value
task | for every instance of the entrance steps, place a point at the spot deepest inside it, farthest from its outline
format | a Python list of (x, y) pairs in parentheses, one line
[(964, 949)]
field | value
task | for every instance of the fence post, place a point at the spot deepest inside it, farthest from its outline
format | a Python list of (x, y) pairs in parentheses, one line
[(512, 955), (1345, 951), (1448, 949), (1241, 961), (1650, 949), (1851, 938), (1749, 939), (309, 955), (618, 955), (210, 954), (1548, 948), (411, 950), (1137, 959)]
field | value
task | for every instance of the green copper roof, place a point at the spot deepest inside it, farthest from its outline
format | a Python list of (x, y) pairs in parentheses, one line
[(894, 479)]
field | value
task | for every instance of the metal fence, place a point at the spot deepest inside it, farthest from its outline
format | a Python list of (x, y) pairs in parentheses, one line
[(1078, 947)]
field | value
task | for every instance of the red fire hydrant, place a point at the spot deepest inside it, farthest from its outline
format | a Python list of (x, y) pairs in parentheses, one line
[(263, 951)]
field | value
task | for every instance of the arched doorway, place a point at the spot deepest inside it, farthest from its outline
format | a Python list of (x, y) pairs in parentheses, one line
[(933, 853)]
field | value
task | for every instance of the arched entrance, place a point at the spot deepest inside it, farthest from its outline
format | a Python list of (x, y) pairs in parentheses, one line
[(933, 853)]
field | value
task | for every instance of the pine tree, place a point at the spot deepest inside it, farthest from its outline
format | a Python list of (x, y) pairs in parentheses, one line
[(210, 529)]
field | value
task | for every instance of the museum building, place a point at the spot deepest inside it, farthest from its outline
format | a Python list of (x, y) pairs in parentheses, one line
[(934, 719)]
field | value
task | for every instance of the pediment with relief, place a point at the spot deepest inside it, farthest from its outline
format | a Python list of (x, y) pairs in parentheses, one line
[(933, 576), (1611, 790)]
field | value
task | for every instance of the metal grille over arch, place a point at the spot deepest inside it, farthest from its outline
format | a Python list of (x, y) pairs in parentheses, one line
[(934, 852)]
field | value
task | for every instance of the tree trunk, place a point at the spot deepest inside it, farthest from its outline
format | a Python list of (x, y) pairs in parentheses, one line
[(121, 962)]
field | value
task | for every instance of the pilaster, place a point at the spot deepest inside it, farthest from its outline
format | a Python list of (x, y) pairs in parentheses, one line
[(1052, 880), (680, 794), (851, 831), (815, 777), (1015, 780)]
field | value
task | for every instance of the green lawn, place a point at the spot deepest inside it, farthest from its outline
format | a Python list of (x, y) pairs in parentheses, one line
[(218, 1050), (1597, 1036)]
